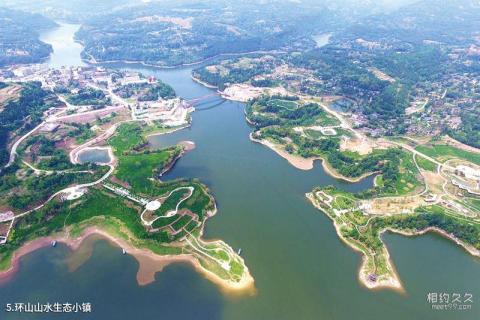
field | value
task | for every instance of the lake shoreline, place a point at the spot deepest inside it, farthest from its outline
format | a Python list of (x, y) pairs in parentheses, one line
[(149, 262), (92, 59), (109, 150), (308, 163), (295, 160), (393, 282)]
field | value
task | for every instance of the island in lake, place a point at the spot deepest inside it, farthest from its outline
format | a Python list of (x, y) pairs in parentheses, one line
[(129, 121), (421, 184), (79, 163)]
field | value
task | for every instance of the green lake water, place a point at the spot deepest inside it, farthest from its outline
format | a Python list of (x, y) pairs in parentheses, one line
[(94, 155), (301, 268)]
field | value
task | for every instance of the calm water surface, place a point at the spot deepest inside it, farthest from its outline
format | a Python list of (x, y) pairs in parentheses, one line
[(301, 269), (94, 155), (65, 49)]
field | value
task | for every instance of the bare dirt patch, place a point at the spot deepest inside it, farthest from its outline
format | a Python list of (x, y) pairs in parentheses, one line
[(397, 205), (245, 92), (181, 22), (89, 116), (12, 92), (457, 144), (361, 145), (119, 182), (381, 75)]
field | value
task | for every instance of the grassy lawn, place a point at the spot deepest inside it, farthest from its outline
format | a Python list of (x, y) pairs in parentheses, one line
[(408, 171), (286, 104), (379, 181), (198, 202), (317, 134), (55, 215), (444, 152), (182, 222), (162, 222), (426, 164), (474, 203), (314, 134), (325, 119), (135, 169), (191, 226), (127, 137), (95, 204), (119, 216), (171, 202)]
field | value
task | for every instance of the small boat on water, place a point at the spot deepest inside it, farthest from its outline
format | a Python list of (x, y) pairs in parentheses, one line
[(124, 251), (54, 243), (239, 252)]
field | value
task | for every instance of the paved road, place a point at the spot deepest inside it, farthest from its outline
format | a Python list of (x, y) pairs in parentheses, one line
[(13, 151), (86, 185)]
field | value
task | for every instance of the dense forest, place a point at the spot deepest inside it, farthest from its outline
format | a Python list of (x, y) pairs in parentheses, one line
[(447, 21), (234, 71), (469, 131), (179, 33), (276, 121), (146, 91), (384, 102), (89, 96), (24, 113), (19, 41)]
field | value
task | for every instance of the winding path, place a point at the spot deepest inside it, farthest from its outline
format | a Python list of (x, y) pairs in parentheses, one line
[(171, 213), (13, 151), (80, 186)]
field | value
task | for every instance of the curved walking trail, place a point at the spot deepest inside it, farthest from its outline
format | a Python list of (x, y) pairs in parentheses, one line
[(393, 280), (80, 186), (192, 250), (13, 150), (73, 158), (170, 213), (313, 275)]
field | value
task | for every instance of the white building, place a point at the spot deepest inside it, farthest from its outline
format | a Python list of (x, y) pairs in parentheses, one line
[(468, 172)]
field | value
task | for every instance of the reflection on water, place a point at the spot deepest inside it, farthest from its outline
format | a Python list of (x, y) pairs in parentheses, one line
[(100, 156), (301, 269), (66, 52)]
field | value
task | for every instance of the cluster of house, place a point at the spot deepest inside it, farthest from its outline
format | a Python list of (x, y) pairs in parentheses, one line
[(175, 110), (65, 76)]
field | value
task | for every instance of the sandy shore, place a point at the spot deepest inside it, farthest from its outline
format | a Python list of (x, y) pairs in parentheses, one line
[(168, 131), (195, 79), (307, 163), (187, 145), (296, 161), (392, 282), (149, 262), (455, 143)]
